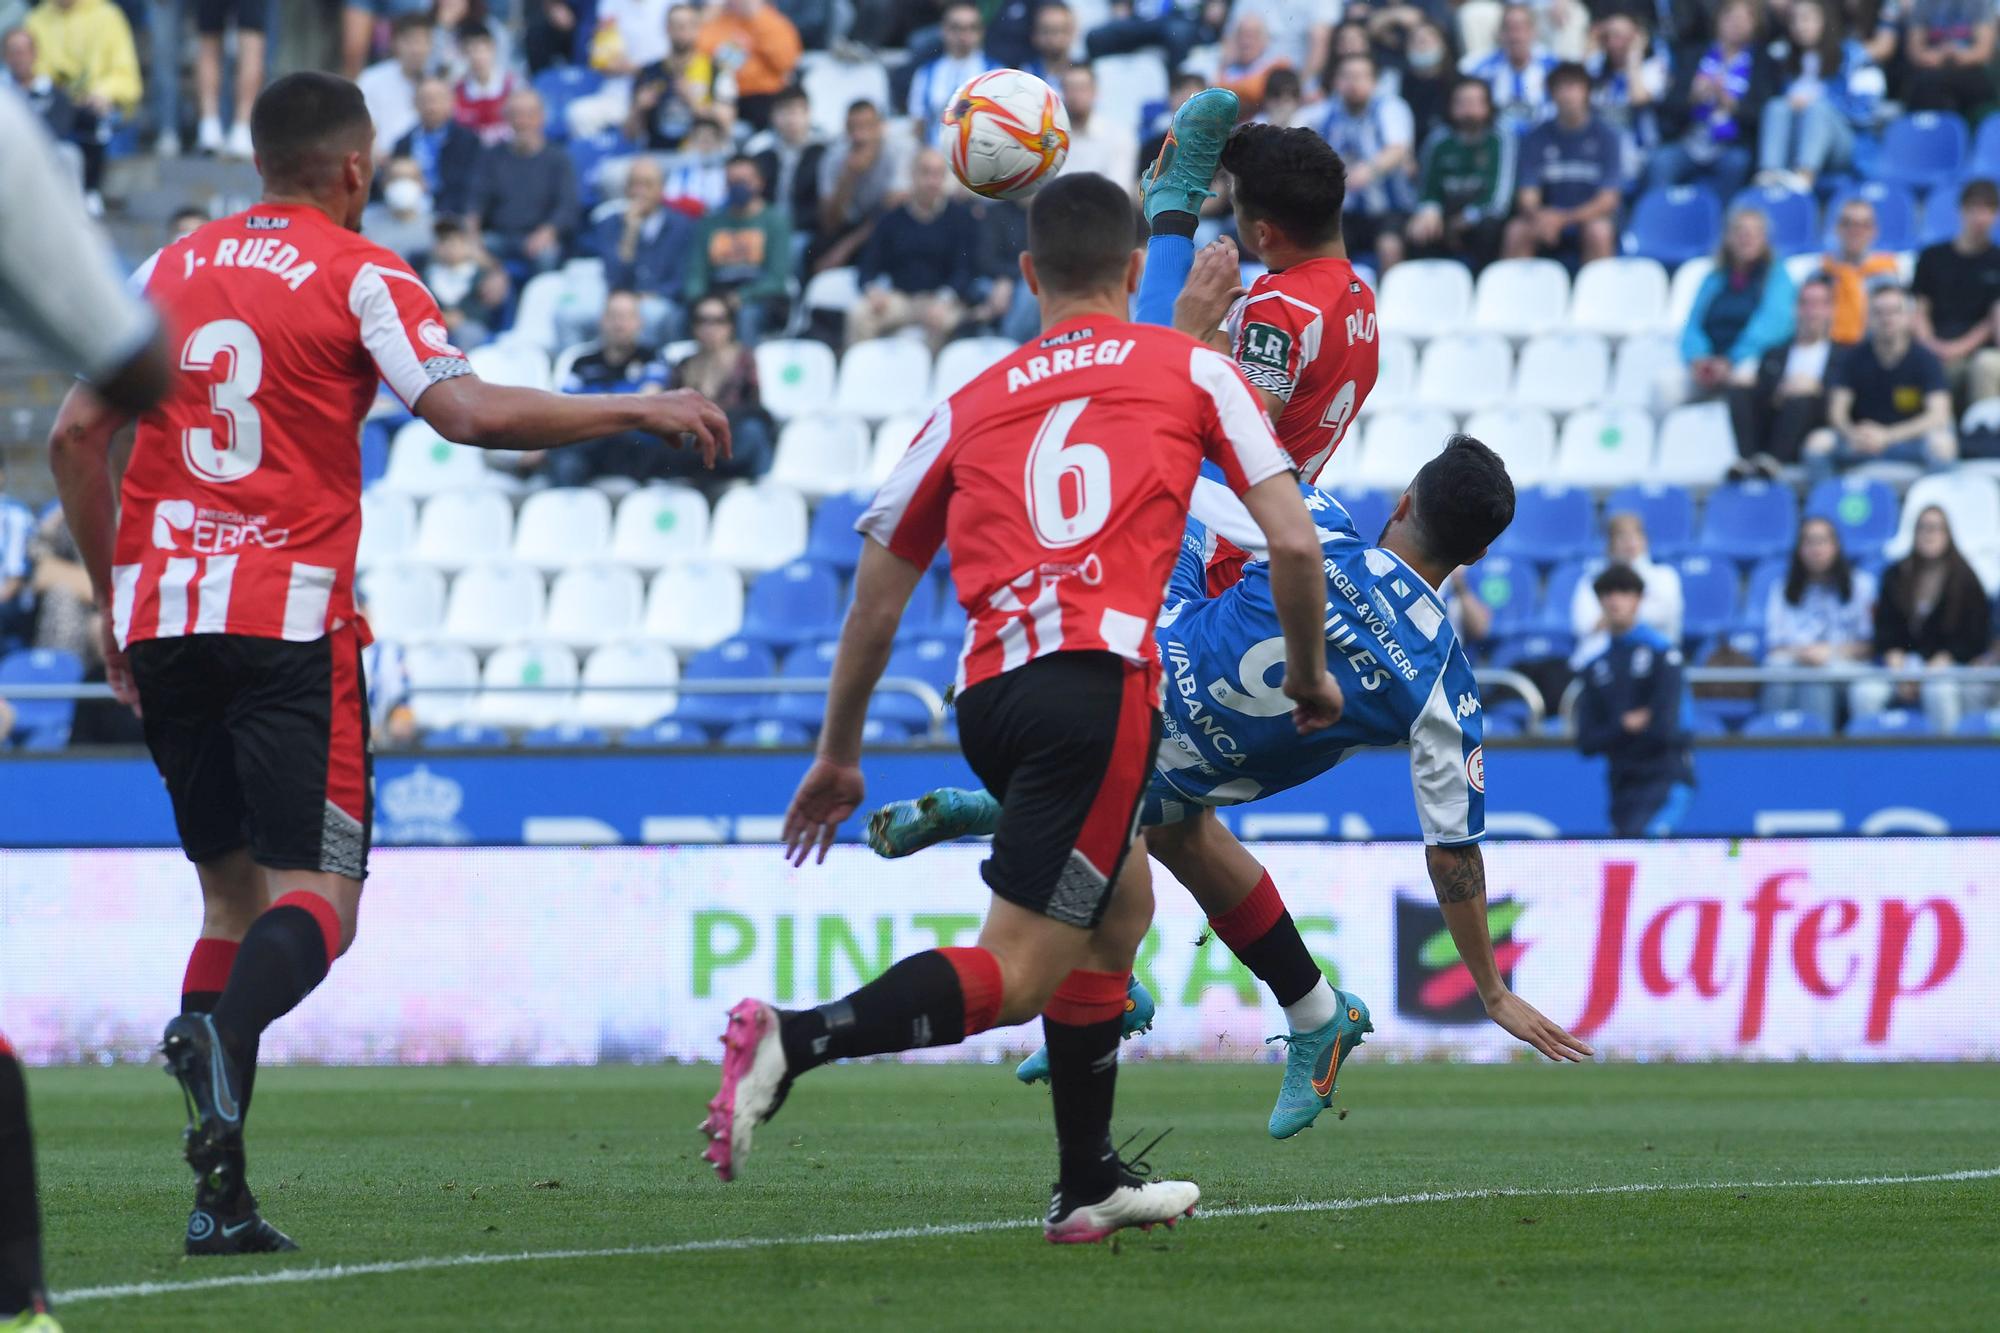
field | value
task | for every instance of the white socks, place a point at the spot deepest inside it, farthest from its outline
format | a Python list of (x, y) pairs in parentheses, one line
[(1314, 1009)]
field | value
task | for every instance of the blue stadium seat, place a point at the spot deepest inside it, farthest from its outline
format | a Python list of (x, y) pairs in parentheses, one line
[(1561, 592), (1986, 724), (1985, 157), (1509, 587), (933, 661), (566, 736), (465, 736), (1502, 725), (1746, 640), (1674, 225), (1890, 722), (793, 604), (1368, 508), (1791, 722), (1863, 509), (1895, 214), (882, 731), (1748, 520), (1939, 220), (1538, 646), (1764, 576), (1706, 721), (811, 661), (669, 733), (1793, 214), (768, 734), (1550, 524), (43, 719), (559, 86), (738, 659), (1923, 150), (832, 540), (588, 154), (1708, 594), (1667, 511), (920, 616)]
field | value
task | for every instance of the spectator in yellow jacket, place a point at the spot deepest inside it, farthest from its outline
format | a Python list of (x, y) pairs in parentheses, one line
[(86, 47)]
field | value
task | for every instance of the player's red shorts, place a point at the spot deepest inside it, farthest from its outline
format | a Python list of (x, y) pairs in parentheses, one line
[(1066, 743)]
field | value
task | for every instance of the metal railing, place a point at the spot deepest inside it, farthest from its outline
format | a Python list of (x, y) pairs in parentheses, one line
[(1840, 677)]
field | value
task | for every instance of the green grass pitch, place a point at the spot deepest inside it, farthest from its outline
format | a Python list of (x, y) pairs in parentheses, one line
[(384, 1166)]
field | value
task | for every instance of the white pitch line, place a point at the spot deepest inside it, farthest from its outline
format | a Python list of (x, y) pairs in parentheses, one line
[(329, 1273)]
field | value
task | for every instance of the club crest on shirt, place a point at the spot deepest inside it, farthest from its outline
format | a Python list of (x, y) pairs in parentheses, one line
[(1475, 769), (435, 335)]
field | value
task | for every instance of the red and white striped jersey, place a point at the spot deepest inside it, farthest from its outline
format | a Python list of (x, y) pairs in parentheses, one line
[(1059, 479), (241, 505)]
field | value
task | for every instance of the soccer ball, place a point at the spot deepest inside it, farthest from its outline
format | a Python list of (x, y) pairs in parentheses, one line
[(1008, 132)]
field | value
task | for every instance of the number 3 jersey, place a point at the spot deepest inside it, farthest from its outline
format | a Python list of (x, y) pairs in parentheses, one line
[(1059, 481), (1403, 676), (241, 506)]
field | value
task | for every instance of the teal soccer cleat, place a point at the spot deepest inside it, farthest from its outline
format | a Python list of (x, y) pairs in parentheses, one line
[(1179, 178), (1139, 1010), (1312, 1063), (902, 827)]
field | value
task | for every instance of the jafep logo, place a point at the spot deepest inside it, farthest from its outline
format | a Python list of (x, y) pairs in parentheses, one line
[(1432, 983)]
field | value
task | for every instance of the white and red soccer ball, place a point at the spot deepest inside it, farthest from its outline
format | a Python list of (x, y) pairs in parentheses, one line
[(1007, 134)]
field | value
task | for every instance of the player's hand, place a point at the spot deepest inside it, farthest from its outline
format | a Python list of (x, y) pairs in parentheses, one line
[(117, 667), (828, 794), (1526, 1022), (1212, 286), (1316, 705), (684, 412)]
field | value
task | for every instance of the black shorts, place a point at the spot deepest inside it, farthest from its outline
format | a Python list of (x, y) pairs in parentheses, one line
[(211, 17), (1067, 743), (262, 743)]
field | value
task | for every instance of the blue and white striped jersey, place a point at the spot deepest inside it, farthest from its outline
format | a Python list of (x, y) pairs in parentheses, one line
[(1406, 681)]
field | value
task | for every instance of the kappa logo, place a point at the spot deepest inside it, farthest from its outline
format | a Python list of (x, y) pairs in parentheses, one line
[(1468, 704)]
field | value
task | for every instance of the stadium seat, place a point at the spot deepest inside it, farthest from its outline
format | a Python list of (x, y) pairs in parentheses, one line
[(1125, 83), (1674, 225), (795, 376), (1463, 372), (881, 377), (612, 675), (1895, 214), (1890, 722), (1558, 596), (1521, 297), (404, 600), (758, 527), (1939, 220), (1509, 587), (1563, 372), (1619, 297), (1540, 645), (549, 668), (892, 440), (809, 661), (1397, 443), (1861, 509), (1396, 377), (1708, 595), (388, 527), (1604, 447), (1984, 725), (1923, 150), (46, 721), (567, 525), (1765, 575), (444, 682), (821, 455), (422, 462), (565, 736), (461, 528), (1643, 363), (792, 605), (1686, 285), (832, 540), (1971, 501), (834, 289), (694, 604), (1426, 298), (1550, 524), (465, 736), (511, 361), (734, 660), (669, 733), (1368, 508), (767, 734), (832, 85), (560, 85), (963, 360), (1667, 512), (1697, 445), (931, 660), (1792, 214), (1788, 723), (535, 312), (1524, 437), (594, 604), (659, 524), (494, 604), (1984, 161), (1748, 520)]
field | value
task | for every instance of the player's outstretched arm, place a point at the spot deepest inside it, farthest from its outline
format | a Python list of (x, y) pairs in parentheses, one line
[(1458, 875), (1298, 592), (469, 410), (1213, 284)]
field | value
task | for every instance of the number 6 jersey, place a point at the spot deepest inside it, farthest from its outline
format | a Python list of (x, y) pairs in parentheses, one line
[(241, 506), (1059, 479)]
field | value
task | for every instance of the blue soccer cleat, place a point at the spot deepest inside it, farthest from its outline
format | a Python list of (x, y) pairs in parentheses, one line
[(902, 827), (1139, 1010), (1312, 1064), (1179, 179)]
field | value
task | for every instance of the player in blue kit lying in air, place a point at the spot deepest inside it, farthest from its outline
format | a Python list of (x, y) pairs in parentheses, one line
[(1230, 739)]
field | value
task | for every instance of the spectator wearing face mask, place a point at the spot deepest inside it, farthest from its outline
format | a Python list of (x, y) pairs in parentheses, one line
[(1932, 614), (744, 249), (1427, 78), (1821, 615), (446, 152), (402, 221)]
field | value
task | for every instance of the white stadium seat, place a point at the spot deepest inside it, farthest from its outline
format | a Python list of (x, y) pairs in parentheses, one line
[(603, 703), (884, 376), (405, 600), (548, 666), (1642, 363), (821, 455), (1971, 503), (461, 528), (832, 85), (794, 376), (1521, 297), (1563, 371), (694, 604), (594, 604), (422, 462), (444, 681), (892, 440), (1524, 437), (1126, 85), (567, 525), (1398, 443), (388, 526), (964, 360), (833, 289), (1697, 445), (511, 361), (535, 313), (494, 604), (758, 527), (1396, 381), (1680, 295), (656, 524), (1619, 297), (1423, 298), (1463, 372), (1605, 447)]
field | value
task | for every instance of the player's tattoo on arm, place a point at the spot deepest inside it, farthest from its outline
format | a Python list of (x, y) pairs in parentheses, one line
[(1458, 874)]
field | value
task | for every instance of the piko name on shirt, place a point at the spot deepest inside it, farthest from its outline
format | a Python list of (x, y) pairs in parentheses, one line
[(267, 253), (1110, 352)]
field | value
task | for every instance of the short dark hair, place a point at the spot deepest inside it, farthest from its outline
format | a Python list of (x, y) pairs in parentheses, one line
[(1618, 577), (1290, 178), (741, 157), (1082, 230), (1462, 500), (302, 124), (1569, 71), (1982, 192), (1282, 82), (789, 94), (189, 211), (405, 24), (1187, 78), (1365, 57), (472, 30), (862, 104)]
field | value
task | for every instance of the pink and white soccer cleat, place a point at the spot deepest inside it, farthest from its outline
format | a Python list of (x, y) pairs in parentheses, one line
[(754, 1083), (1136, 1202)]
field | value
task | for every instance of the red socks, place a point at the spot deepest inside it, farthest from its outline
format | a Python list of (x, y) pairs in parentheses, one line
[(1251, 919), (979, 981), (207, 973), (322, 912), (1087, 997)]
